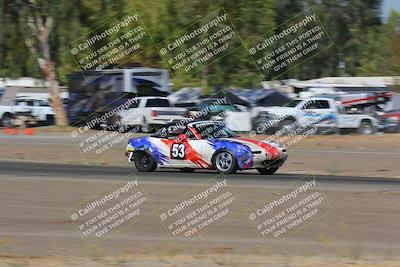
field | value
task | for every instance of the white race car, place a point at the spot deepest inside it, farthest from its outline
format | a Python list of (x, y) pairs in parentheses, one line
[(204, 145)]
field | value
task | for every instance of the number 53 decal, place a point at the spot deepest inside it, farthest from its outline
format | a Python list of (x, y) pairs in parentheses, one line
[(178, 151)]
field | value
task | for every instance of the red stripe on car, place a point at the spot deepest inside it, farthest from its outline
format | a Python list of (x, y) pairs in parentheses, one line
[(271, 150), (190, 153)]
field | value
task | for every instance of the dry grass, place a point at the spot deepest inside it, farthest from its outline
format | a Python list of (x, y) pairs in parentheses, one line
[(199, 260)]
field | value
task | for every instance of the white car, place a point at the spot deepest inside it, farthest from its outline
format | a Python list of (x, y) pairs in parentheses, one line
[(40, 110), (150, 112)]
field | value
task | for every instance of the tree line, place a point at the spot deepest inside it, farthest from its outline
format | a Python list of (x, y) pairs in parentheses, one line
[(363, 43)]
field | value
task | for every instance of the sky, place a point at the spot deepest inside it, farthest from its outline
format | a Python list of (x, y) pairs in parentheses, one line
[(388, 5)]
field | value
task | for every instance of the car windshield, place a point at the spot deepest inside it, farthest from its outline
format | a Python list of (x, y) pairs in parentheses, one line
[(292, 103), (214, 130), (157, 102), (170, 131)]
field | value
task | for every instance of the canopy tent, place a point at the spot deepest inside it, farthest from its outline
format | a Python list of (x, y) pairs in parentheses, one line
[(185, 95), (231, 97), (262, 97)]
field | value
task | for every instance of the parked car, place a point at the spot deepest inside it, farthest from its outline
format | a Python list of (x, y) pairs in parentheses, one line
[(322, 113), (236, 117), (390, 121), (150, 112), (211, 108), (38, 110), (204, 145)]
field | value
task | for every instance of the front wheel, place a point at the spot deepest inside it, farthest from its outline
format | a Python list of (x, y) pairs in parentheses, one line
[(225, 162), (266, 171), (6, 120), (144, 161)]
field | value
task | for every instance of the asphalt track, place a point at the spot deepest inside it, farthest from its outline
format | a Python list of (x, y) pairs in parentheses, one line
[(40, 169), (34, 198)]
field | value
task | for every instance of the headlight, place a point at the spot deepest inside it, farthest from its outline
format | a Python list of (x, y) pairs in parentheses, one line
[(129, 148)]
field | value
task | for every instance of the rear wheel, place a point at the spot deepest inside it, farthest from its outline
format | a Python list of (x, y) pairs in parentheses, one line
[(144, 161), (225, 162), (266, 171), (366, 128)]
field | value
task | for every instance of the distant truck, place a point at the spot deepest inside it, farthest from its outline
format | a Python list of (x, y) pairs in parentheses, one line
[(150, 112), (324, 114), (38, 111)]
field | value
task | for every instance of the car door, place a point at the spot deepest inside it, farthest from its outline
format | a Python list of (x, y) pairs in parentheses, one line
[(23, 107), (195, 148), (319, 112), (183, 149), (344, 120), (41, 109)]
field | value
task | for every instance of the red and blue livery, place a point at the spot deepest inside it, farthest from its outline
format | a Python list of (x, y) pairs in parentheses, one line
[(204, 145)]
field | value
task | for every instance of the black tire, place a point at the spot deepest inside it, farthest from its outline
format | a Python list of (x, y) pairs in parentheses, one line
[(115, 124), (120, 127), (366, 128), (392, 129), (224, 162), (286, 126), (266, 171), (187, 170), (144, 161), (6, 120)]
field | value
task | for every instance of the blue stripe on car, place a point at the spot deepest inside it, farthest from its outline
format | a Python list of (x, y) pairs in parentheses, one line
[(144, 143), (242, 152)]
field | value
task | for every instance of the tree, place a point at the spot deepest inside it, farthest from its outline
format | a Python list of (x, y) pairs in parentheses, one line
[(39, 21)]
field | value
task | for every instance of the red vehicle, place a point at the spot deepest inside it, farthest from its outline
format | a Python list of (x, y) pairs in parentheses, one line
[(391, 121)]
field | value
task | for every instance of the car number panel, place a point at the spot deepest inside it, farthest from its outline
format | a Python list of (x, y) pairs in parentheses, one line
[(178, 151)]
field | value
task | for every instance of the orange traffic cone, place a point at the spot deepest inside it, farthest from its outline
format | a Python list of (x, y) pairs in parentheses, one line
[(6, 130), (28, 131)]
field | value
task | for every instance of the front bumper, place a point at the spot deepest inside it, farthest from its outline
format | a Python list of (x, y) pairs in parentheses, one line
[(275, 163)]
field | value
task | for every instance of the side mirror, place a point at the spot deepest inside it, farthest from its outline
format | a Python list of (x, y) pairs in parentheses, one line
[(182, 137)]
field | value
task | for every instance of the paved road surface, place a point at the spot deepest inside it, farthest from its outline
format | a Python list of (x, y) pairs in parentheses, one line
[(359, 215)]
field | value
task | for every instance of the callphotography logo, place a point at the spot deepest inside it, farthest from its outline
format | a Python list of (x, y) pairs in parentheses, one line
[(217, 108), (299, 39), (287, 127), (111, 210), (301, 204), (108, 128), (200, 44), (118, 40), (200, 210)]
